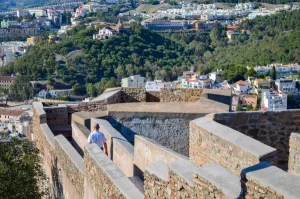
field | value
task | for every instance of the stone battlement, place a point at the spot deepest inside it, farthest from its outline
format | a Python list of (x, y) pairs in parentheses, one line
[(167, 150)]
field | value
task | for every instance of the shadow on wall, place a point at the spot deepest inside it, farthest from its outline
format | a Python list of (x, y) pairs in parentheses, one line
[(126, 132)]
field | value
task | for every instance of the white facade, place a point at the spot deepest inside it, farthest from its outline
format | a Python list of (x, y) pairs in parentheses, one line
[(156, 86), (216, 76), (273, 101), (112, 1), (286, 85), (134, 81), (242, 87), (56, 93), (196, 83), (37, 12), (280, 68)]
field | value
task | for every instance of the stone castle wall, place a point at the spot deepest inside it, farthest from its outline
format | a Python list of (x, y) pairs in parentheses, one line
[(271, 128), (152, 96), (181, 179), (65, 167), (294, 157), (213, 142), (180, 94)]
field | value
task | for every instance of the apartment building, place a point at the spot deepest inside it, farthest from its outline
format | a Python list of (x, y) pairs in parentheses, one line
[(165, 25), (134, 81), (157, 85), (273, 101), (6, 82), (286, 86)]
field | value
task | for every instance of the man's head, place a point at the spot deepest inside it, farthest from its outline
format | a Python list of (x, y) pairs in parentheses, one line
[(97, 127)]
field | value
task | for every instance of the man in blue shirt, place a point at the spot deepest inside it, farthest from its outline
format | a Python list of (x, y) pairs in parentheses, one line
[(98, 138)]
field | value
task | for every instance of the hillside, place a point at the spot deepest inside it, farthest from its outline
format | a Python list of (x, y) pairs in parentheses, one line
[(272, 39)]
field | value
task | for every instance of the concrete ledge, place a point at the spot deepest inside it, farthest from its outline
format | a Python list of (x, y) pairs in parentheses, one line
[(271, 177), (221, 178), (48, 134), (185, 170), (159, 169), (99, 168), (147, 151), (72, 165), (71, 152), (38, 106), (240, 140)]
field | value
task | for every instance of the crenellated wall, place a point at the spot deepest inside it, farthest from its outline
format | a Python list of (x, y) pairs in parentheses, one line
[(106, 179), (294, 156), (223, 163), (64, 167), (267, 181), (182, 179), (272, 128), (213, 142), (180, 94), (72, 168)]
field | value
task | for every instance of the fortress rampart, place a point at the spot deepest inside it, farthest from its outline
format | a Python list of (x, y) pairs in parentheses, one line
[(224, 160)]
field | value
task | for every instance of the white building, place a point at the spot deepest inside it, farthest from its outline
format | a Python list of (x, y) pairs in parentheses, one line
[(56, 93), (134, 81), (105, 33), (37, 12), (280, 68), (216, 76), (80, 12), (196, 82), (112, 1), (157, 85), (273, 101), (242, 87), (286, 86)]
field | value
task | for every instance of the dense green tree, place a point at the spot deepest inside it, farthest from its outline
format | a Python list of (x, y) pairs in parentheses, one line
[(91, 90), (21, 173), (21, 89)]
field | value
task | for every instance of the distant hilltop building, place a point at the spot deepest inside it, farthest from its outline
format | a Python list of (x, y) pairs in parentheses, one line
[(156, 85), (165, 25), (280, 68), (134, 81)]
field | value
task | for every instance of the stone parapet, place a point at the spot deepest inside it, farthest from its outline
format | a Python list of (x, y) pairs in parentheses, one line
[(133, 95), (71, 162), (180, 94), (213, 142), (106, 179), (80, 135), (182, 179), (147, 151), (267, 181), (119, 149), (57, 116), (294, 157), (272, 128)]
